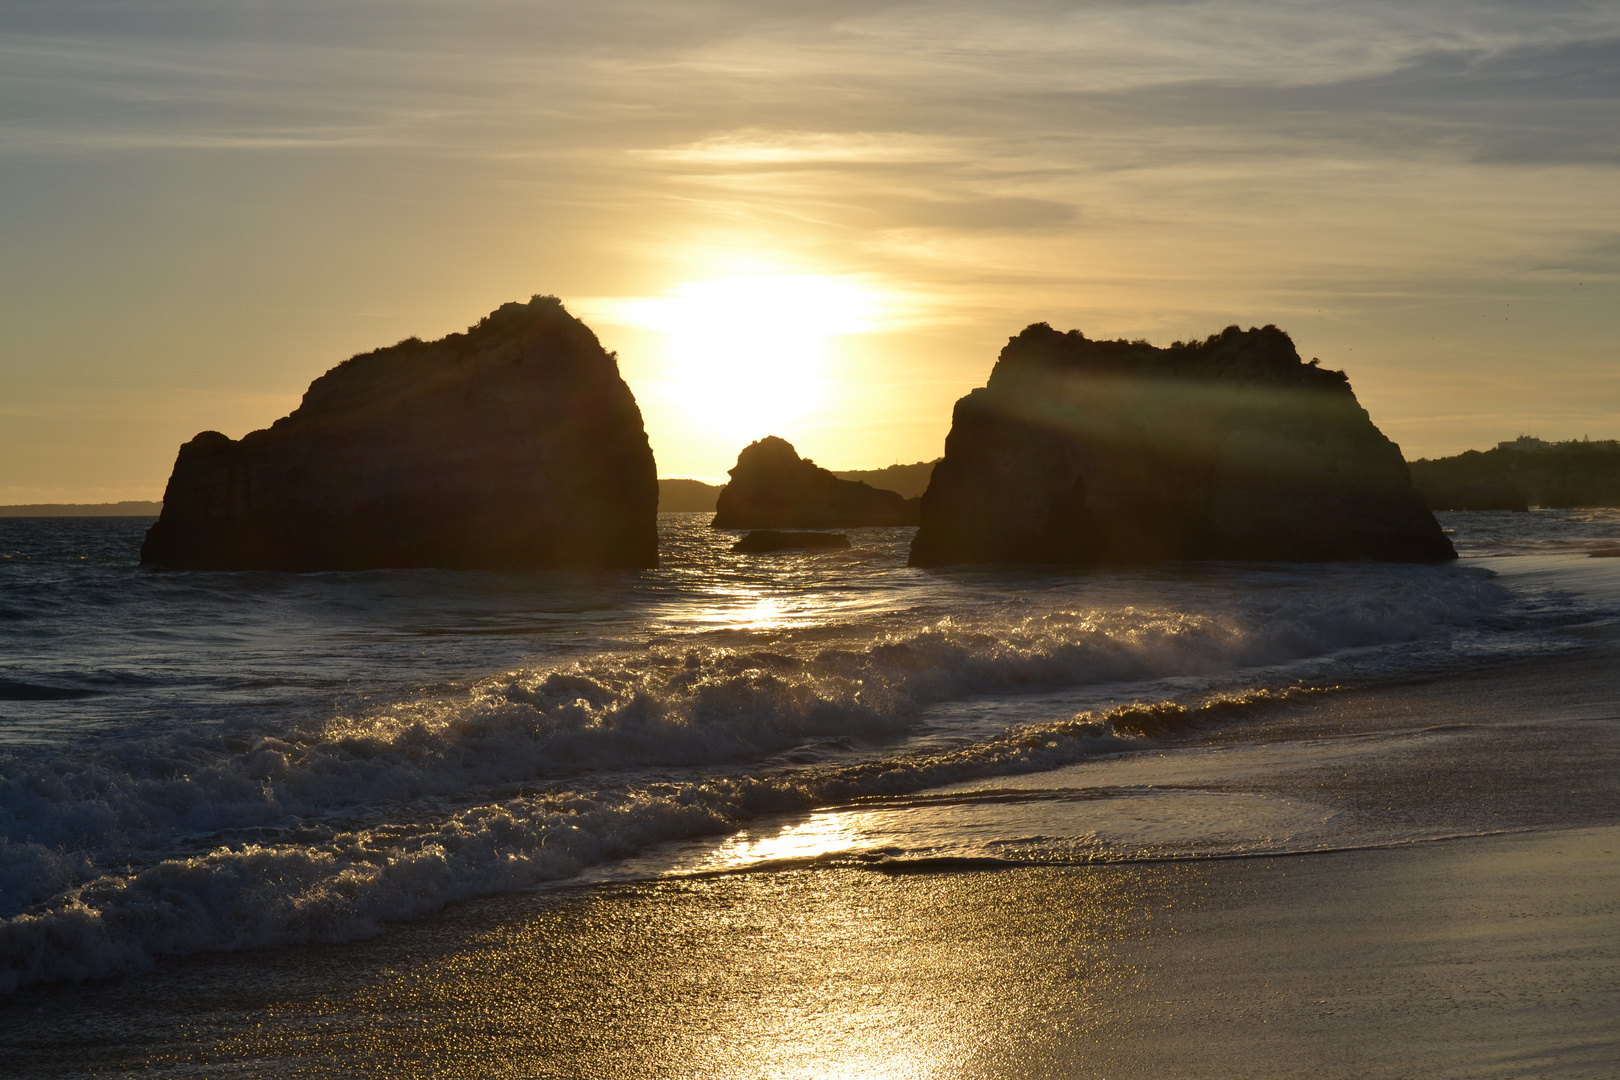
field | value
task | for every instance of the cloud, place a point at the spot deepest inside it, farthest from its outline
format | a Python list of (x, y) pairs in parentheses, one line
[(1143, 167), (758, 146), (1597, 257), (934, 69)]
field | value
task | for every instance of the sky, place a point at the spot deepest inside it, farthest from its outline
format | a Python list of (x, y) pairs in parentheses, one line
[(816, 220)]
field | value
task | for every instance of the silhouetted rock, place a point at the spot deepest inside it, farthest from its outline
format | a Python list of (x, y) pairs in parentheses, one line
[(763, 540), (513, 446), (1112, 452), (907, 481), (772, 487), (686, 496)]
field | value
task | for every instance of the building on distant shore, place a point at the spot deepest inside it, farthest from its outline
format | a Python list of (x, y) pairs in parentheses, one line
[(1524, 473), (1531, 444)]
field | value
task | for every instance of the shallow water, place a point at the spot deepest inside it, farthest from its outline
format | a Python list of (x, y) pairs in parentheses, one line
[(192, 762)]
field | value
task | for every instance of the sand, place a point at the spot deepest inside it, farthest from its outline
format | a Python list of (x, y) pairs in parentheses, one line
[(1497, 956)]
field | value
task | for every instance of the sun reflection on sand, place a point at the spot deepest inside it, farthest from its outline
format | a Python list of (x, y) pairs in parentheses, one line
[(893, 1065), (834, 975)]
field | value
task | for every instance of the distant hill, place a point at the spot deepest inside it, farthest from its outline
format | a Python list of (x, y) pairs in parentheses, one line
[(909, 481), (117, 509), (1568, 474), (686, 496)]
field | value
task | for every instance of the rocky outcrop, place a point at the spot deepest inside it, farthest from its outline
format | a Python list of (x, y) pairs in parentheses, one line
[(513, 446), (761, 541), (772, 487), (1116, 452)]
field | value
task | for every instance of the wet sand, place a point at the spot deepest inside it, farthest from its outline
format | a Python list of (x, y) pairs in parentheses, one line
[(1497, 956), (1492, 956)]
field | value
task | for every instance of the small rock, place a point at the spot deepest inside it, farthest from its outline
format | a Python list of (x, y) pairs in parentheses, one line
[(772, 487)]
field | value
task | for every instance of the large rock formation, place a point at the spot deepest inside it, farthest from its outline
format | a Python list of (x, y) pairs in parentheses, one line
[(772, 487), (1116, 452), (513, 446)]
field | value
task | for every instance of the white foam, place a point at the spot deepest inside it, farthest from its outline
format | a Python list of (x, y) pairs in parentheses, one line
[(326, 830)]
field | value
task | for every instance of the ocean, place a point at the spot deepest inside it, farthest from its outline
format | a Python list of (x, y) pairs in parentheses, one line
[(241, 763)]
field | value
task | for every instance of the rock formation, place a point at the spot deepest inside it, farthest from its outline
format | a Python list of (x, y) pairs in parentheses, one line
[(1116, 452), (764, 540), (772, 487), (513, 446)]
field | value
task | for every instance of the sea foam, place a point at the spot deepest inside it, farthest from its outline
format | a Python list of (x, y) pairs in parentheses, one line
[(125, 849)]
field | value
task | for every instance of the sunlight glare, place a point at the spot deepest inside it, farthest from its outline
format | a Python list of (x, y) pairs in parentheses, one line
[(823, 833), (751, 353)]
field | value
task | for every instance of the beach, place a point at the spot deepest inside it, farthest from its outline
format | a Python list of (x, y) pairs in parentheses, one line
[(788, 541), (1445, 907)]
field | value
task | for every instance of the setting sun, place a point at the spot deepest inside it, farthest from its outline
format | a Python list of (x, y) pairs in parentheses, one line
[(750, 354), (921, 541)]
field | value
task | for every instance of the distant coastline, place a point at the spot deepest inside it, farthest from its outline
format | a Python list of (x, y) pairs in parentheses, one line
[(908, 481), (1520, 474), (1593, 480), (117, 509)]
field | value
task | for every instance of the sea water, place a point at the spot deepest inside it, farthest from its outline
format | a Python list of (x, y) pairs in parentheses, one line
[(194, 762)]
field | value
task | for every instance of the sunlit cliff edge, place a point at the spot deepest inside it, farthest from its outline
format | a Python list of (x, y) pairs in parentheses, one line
[(1116, 452), (515, 445)]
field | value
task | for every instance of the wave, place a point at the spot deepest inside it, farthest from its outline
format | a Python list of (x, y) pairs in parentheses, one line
[(323, 829), (685, 703), (12, 690), (346, 884)]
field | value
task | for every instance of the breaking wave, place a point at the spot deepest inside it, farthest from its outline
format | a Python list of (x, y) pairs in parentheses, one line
[(329, 885), (118, 850)]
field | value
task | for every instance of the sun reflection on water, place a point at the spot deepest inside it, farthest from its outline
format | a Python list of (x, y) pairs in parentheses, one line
[(823, 833), (754, 611)]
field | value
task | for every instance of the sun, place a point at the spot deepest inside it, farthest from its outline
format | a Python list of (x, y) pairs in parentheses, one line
[(749, 355)]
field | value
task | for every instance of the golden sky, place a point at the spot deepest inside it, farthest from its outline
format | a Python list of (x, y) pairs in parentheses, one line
[(818, 220)]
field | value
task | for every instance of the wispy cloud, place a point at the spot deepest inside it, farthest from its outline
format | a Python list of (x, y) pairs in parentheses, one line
[(1136, 167), (766, 147)]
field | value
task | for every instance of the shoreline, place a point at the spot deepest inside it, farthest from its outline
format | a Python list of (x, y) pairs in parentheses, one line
[(1479, 957), (1473, 817)]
